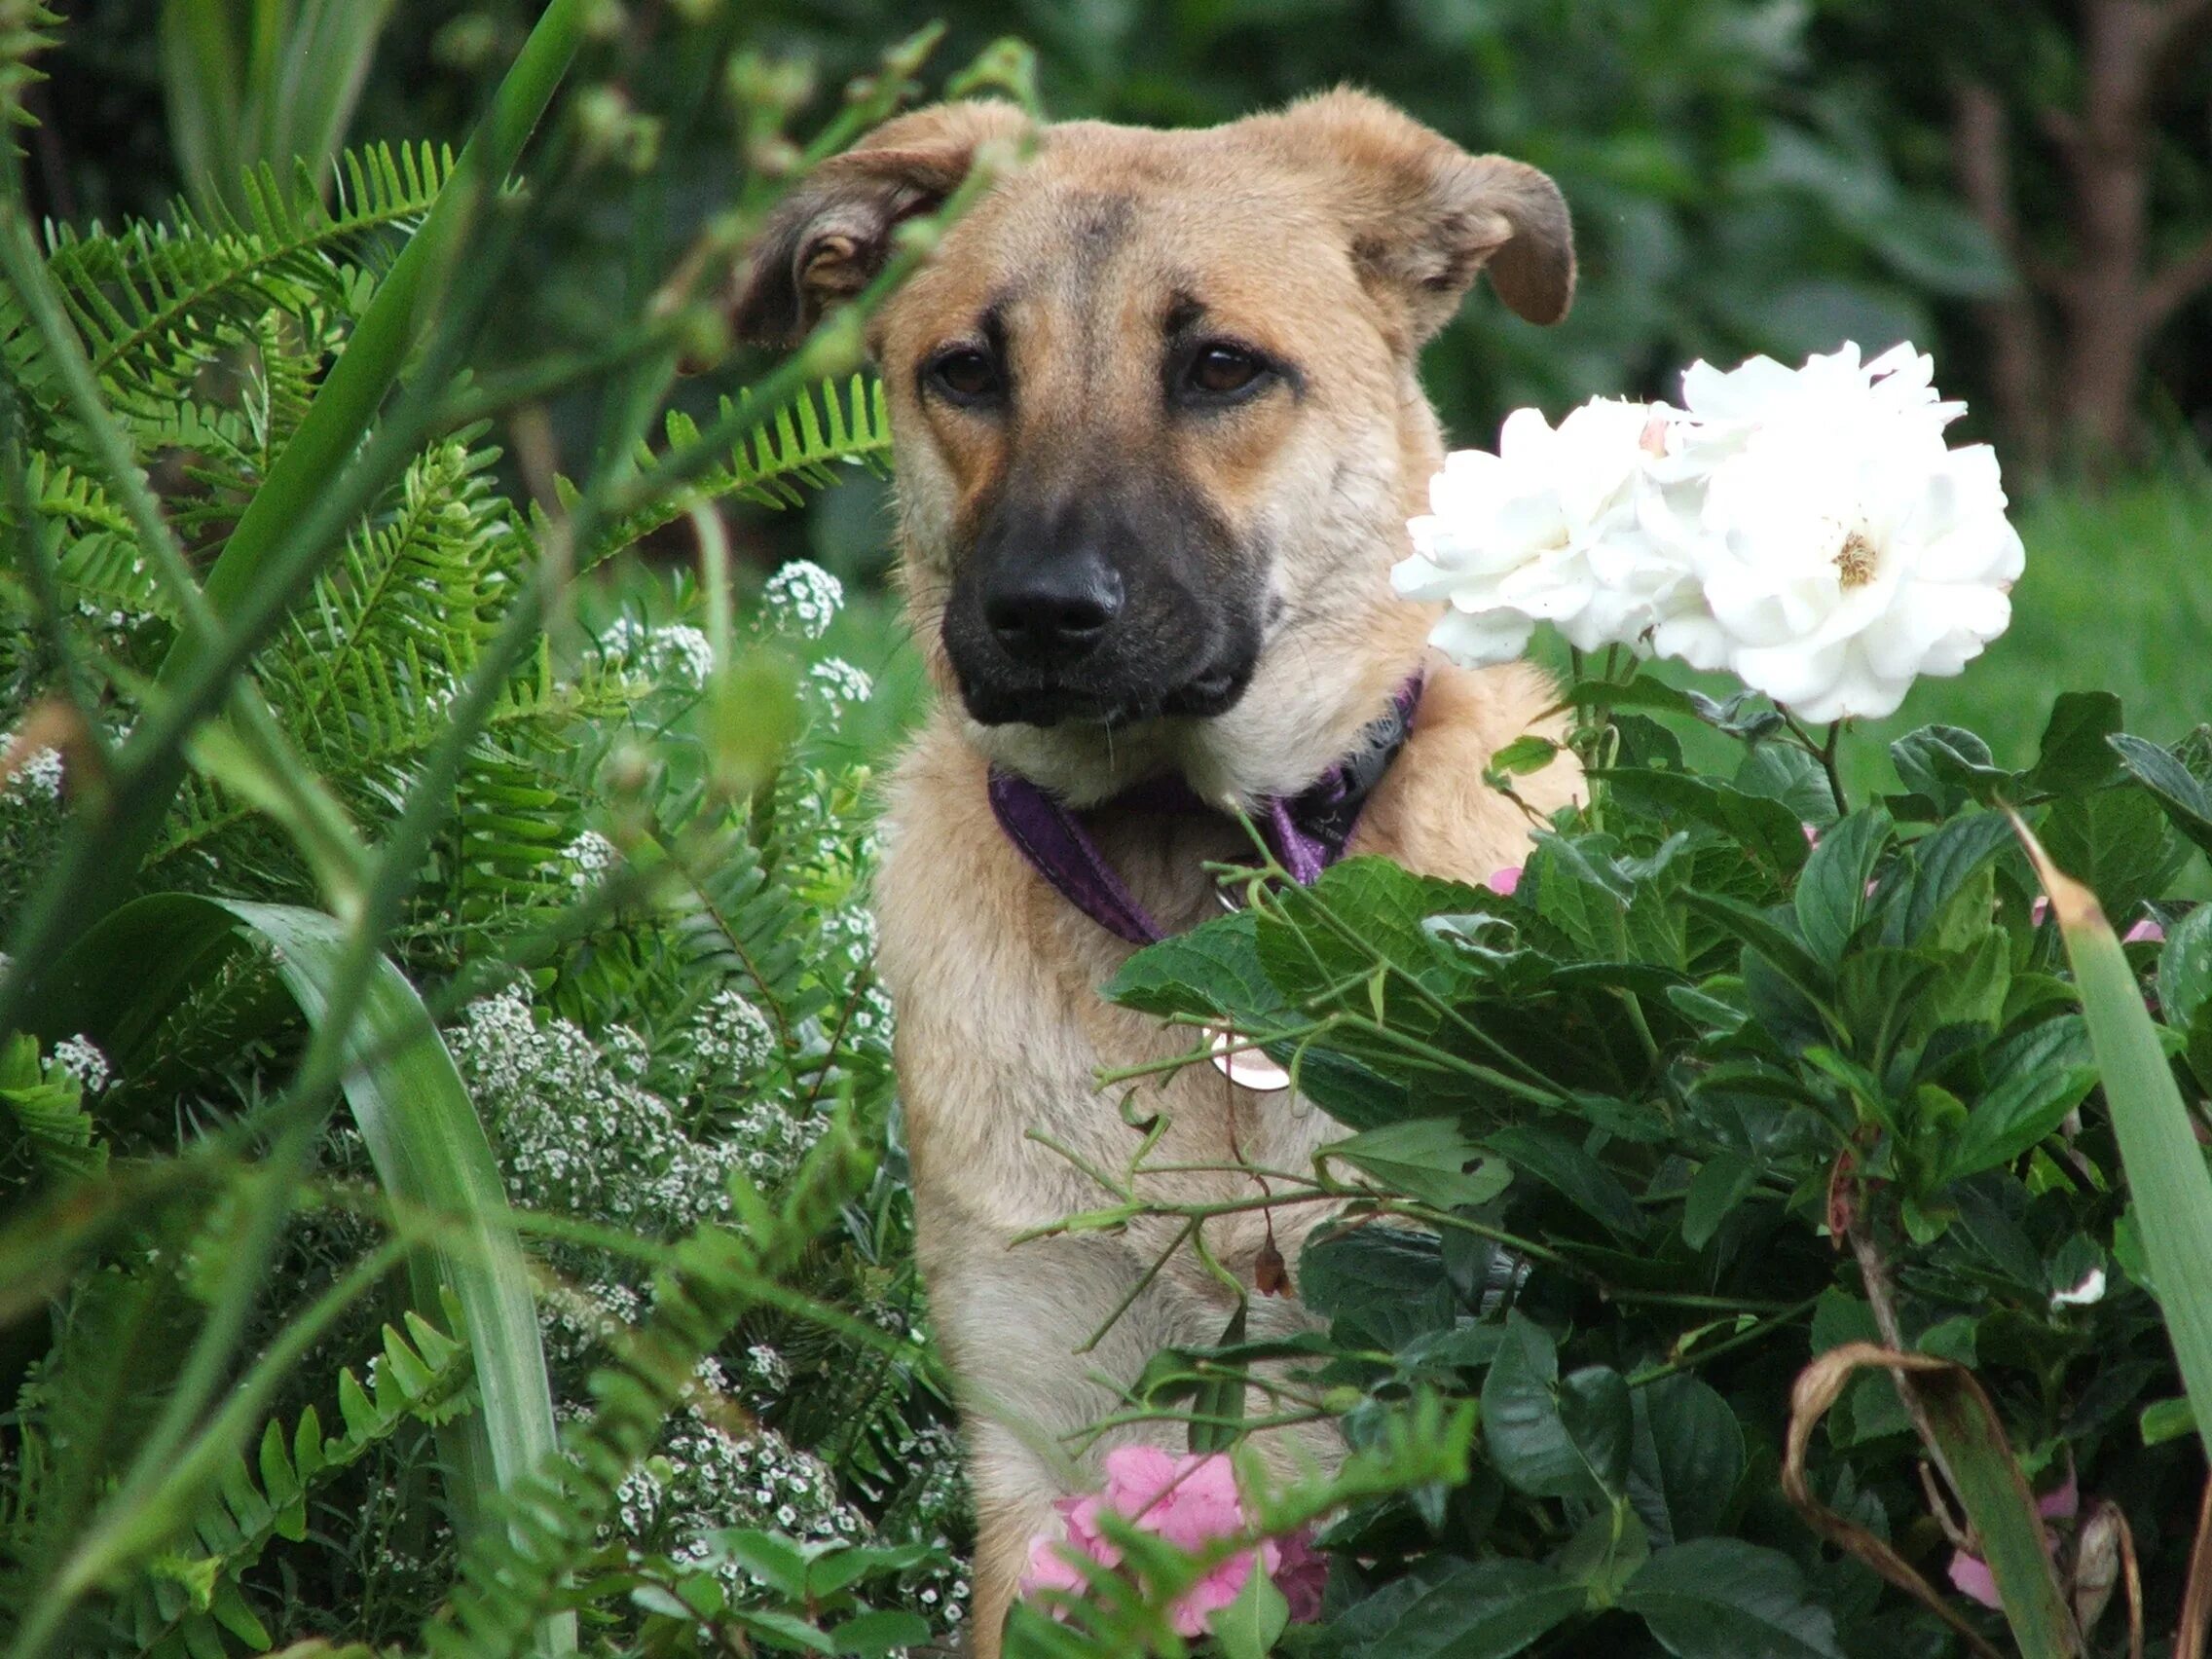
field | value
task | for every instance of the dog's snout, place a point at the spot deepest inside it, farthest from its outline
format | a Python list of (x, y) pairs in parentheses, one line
[(1053, 610)]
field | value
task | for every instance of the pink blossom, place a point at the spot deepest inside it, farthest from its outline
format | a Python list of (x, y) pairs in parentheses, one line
[(1971, 1574), (1503, 881), (1189, 1502)]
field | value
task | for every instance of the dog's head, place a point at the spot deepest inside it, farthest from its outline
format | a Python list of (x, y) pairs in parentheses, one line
[(1156, 410)]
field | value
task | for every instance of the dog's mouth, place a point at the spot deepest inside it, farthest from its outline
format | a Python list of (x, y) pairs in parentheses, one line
[(1213, 691)]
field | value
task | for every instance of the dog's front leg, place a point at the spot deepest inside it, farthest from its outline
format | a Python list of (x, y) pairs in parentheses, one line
[(1032, 1334)]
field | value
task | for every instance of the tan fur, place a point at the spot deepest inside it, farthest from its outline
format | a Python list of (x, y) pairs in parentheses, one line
[(1340, 235)]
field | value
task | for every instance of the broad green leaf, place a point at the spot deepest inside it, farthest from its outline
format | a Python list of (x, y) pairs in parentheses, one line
[(2185, 969), (1948, 766), (1212, 971), (871, 1635), (1426, 1158), (2075, 755), (1571, 1172), (1490, 1609), (1379, 1282), (1522, 1427), (1688, 1456), (1722, 1182), (769, 1557), (2116, 842), (1831, 889), (1594, 1409), (430, 1150), (2186, 799), (1944, 863), (1724, 1599), (1249, 1626)]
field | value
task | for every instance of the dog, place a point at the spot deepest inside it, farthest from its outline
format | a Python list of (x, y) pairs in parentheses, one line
[(1158, 431)]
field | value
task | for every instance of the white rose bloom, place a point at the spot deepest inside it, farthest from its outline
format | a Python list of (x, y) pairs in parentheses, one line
[(1546, 529), (1840, 549), (1804, 528)]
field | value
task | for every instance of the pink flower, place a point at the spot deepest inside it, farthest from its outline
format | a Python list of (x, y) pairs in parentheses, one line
[(1971, 1574), (1503, 881), (1190, 1503)]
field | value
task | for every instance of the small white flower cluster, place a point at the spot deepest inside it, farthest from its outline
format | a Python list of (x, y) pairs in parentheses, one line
[(674, 651), (849, 933), (840, 683), (590, 856), (1806, 530), (803, 599), (577, 1132), (82, 1058), (707, 1478), (732, 1039), (37, 777)]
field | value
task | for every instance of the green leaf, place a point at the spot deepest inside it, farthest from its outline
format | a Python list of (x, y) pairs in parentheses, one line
[(1722, 1182), (1724, 1599), (1688, 1456), (1489, 1610), (1525, 753), (1380, 1282), (1571, 1172), (2016, 1114), (2075, 756), (2116, 843), (2185, 798), (1212, 971), (884, 1630), (1522, 1427), (1944, 863), (1249, 1627), (772, 1559), (1594, 1409), (1949, 767), (1426, 1158), (1831, 889), (2185, 968)]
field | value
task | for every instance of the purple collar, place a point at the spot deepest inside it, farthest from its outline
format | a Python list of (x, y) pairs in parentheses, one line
[(1306, 831)]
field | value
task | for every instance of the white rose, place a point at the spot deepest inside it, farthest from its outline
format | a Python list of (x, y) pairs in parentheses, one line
[(1840, 549), (1545, 530)]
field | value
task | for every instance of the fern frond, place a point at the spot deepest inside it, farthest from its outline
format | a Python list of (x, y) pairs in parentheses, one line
[(802, 444), (48, 1107), (96, 548), (192, 1595), (159, 304)]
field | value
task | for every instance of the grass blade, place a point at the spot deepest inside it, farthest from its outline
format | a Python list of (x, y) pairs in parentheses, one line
[(2163, 1163)]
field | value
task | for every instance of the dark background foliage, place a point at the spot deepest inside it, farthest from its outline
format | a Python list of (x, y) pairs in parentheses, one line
[(1747, 174)]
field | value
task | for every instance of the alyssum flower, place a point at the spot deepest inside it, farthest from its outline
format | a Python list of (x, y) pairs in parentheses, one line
[(1806, 530)]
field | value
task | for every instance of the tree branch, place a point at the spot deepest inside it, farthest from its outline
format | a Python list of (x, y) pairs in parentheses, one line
[(2177, 282)]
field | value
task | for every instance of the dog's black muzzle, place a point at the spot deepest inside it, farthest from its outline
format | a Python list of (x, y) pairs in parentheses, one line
[(1113, 609)]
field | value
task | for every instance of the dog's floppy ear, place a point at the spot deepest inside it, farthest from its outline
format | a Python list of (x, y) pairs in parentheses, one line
[(1425, 216), (832, 235)]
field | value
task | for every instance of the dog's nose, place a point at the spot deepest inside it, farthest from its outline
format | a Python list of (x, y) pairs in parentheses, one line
[(1053, 610)]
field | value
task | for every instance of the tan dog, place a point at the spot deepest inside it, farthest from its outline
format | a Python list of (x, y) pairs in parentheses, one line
[(1158, 432)]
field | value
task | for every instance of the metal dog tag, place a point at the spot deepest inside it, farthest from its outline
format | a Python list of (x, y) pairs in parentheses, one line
[(1247, 1067)]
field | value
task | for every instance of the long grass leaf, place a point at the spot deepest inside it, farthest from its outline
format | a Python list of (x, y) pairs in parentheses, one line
[(2163, 1163)]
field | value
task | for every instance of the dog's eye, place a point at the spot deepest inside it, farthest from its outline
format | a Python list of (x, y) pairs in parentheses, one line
[(1219, 370), (965, 374)]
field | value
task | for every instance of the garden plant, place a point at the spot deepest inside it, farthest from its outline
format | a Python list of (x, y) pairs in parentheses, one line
[(450, 1189)]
